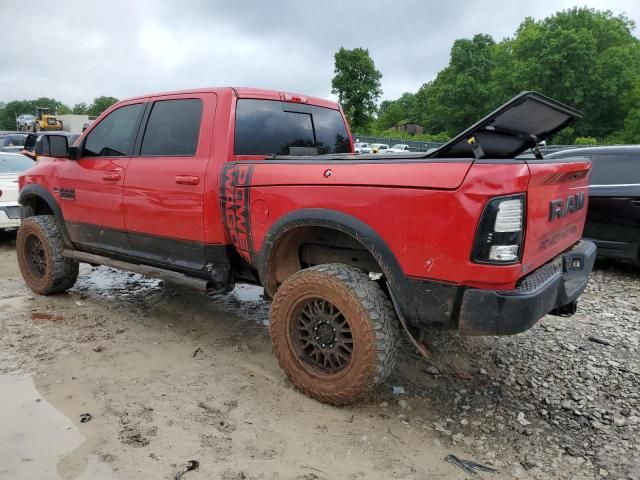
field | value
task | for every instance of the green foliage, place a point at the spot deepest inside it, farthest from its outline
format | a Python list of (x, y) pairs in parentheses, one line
[(357, 84), (585, 141), (585, 58), (631, 130), (80, 108), (582, 57), (396, 111), (10, 110), (441, 137), (100, 104), (14, 108), (462, 89)]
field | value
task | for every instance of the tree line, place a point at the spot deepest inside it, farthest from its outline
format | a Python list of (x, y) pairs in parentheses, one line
[(10, 110), (586, 58)]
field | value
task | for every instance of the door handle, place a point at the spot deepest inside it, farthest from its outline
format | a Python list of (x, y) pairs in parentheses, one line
[(187, 179), (111, 177), (635, 203)]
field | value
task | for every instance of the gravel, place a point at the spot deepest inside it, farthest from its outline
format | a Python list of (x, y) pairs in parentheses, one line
[(559, 401)]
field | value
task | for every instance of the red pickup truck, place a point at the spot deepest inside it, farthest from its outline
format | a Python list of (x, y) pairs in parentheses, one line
[(215, 186)]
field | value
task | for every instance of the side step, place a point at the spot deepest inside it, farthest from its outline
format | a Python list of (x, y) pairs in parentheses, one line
[(147, 271)]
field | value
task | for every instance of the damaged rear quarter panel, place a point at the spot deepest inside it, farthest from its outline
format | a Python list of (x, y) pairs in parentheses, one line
[(427, 213)]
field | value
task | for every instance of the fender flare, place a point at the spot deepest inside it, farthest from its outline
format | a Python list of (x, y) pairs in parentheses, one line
[(355, 228), (34, 191)]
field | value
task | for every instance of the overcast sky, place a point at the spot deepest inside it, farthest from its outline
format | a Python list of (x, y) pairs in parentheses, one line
[(77, 50)]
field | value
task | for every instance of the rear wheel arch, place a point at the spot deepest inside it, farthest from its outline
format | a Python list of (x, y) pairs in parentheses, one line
[(280, 256)]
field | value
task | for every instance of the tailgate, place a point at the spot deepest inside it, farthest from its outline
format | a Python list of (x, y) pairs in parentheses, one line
[(557, 198)]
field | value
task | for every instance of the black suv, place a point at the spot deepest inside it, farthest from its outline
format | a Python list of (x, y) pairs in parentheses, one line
[(613, 220)]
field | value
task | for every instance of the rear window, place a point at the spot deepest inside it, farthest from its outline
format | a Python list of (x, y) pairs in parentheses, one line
[(173, 128), (267, 127), (608, 168), (614, 168), (14, 163)]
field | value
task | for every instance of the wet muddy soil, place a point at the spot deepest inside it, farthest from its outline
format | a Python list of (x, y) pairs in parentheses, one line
[(170, 375)]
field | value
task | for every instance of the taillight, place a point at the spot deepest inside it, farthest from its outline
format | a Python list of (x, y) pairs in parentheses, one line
[(500, 233), (0, 193)]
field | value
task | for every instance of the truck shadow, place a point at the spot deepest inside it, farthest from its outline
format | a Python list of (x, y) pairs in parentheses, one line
[(8, 238), (616, 267)]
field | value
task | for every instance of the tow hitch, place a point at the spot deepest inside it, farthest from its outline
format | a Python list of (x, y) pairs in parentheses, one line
[(565, 310)]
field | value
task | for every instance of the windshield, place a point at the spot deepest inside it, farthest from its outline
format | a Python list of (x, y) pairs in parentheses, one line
[(14, 163)]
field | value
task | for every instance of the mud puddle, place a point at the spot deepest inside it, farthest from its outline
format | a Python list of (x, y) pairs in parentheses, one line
[(36, 439), (171, 375)]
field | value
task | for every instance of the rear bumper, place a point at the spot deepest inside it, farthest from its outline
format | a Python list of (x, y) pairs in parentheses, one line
[(552, 286)]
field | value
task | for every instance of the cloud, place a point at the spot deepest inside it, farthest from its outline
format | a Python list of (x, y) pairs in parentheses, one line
[(122, 48)]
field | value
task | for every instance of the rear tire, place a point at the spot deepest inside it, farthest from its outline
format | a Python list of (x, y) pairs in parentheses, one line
[(39, 246), (335, 332)]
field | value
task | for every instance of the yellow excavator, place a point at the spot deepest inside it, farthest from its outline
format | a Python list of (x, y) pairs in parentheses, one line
[(45, 120)]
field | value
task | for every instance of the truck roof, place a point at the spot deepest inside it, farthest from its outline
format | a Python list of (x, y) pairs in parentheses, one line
[(255, 93), (579, 151)]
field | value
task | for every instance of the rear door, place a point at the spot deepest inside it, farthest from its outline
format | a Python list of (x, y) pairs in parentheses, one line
[(614, 199), (165, 181)]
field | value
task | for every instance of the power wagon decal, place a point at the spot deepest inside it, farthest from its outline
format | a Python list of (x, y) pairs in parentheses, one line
[(235, 205)]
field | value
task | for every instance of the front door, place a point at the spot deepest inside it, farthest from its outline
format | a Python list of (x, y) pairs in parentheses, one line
[(89, 189), (165, 182)]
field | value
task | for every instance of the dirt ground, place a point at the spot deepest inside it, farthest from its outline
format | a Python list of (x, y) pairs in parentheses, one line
[(171, 375)]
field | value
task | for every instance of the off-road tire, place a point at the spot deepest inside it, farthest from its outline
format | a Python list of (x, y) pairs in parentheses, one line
[(58, 273), (370, 317)]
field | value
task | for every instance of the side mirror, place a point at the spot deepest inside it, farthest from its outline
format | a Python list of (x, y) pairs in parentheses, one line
[(30, 142), (52, 146), (74, 153)]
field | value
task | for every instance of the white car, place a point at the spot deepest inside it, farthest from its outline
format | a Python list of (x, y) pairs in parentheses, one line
[(399, 148), (362, 147), (25, 122), (11, 166), (379, 147)]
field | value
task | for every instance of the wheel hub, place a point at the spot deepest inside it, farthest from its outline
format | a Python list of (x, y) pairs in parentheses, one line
[(36, 256), (323, 337), (325, 334)]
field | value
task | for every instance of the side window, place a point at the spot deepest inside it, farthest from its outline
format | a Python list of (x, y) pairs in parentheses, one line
[(268, 127), (614, 168), (173, 128), (115, 134)]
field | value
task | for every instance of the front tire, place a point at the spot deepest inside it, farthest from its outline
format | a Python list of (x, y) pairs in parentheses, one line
[(39, 246), (334, 332)]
